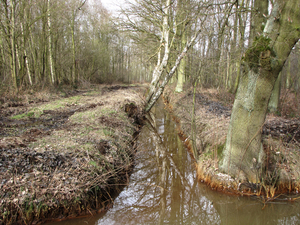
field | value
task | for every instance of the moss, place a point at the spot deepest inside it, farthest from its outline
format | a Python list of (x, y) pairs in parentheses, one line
[(23, 115), (93, 163), (29, 210), (252, 56), (220, 150), (208, 152), (38, 111), (108, 132)]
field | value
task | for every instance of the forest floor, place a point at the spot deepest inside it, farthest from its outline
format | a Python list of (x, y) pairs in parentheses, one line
[(65, 154), (281, 140)]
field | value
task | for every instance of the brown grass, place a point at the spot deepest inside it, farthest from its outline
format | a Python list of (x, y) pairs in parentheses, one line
[(283, 161), (88, 175)]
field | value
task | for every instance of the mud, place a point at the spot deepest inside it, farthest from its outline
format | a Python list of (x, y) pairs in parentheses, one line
[(211, 106)]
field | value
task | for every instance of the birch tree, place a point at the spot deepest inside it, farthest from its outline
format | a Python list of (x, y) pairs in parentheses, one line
[(50, 42), (161, 64), (159, 79)]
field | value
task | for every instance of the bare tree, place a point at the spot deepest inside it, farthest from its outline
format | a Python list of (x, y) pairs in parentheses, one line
[(243, 154)]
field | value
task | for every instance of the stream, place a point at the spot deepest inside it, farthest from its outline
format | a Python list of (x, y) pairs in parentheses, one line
[(163, 189)]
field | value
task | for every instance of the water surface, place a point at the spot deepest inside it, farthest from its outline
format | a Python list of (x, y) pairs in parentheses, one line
[(163, 189)]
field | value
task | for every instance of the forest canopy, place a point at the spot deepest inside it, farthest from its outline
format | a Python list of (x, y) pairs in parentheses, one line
[(55, 42)]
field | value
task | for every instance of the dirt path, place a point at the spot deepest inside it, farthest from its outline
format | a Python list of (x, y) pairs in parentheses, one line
[(65, 156)]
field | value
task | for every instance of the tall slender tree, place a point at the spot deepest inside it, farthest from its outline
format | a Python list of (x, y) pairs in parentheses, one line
[(11, 28), (181, 22), (50, 42)]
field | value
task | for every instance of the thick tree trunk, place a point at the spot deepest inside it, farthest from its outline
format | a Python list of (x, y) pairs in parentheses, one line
[(243, 154)]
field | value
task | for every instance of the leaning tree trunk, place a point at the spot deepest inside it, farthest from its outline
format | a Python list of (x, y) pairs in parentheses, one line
[(243, 154), (160, 88), (161, 64)]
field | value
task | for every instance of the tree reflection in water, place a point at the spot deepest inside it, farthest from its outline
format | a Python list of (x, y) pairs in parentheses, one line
[(163, 189)]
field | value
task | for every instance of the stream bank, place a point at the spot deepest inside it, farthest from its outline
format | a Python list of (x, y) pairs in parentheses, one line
[(163, 188), (212, 115), (66, 154)]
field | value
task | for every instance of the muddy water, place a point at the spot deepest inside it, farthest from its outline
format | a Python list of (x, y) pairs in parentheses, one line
[(163, 190)]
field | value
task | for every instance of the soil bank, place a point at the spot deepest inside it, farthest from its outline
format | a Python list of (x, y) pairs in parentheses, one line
[(281, 138), (66, 154)]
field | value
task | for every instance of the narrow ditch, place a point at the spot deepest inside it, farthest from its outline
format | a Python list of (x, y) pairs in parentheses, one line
[(163, 189)]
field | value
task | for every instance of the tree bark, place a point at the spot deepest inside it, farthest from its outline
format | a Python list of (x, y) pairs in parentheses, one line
[(243, 154), (288, 75), (50, 43), (165, 42), (157, 93), (25, 54), (13, 46), (275, 96), (258, 17), (74, 80), (181, 74), (183, 36)]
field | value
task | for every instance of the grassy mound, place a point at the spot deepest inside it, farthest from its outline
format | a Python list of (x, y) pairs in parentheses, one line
[(66, 156)]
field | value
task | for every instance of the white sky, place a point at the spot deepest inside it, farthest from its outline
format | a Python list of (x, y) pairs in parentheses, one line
[(112, 5)]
